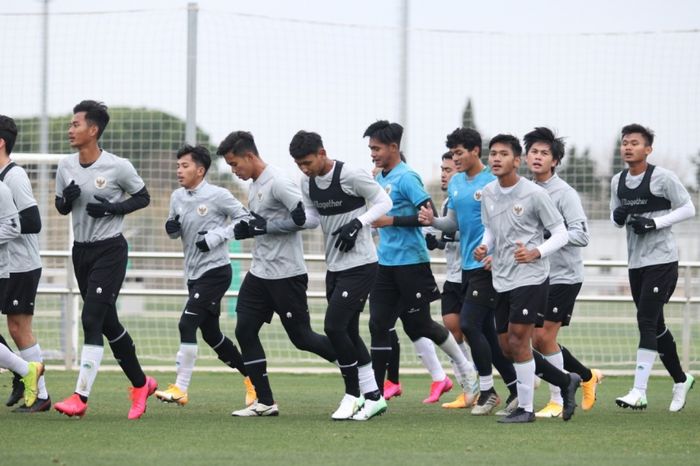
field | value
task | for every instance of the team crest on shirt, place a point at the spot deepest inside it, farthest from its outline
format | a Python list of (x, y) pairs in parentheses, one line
[(202, 210), (387, 188), (259, 196), (100, 182), (518, 209), (477, 195)]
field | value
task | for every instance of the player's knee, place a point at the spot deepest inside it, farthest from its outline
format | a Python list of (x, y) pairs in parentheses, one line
[(188, 330), (212, 337), (376, 328)]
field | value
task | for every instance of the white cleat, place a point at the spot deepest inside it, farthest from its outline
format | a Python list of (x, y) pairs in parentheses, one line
[(634, 399), (371, 409), (257, 409), (680, 391), (349, 406)]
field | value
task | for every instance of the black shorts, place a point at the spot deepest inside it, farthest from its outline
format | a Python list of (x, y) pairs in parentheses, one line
[(654, 282), (477, 287), (348, 289), (451, 298), (100, 268), (285, 296), (560, 304), (521, 305), (20, 292), (207, 291)]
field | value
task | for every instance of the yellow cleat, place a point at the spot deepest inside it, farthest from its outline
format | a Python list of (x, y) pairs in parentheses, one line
[(30, 381), (459, 403), (172, 395), (552, 409), (250, 395), (589, 388)]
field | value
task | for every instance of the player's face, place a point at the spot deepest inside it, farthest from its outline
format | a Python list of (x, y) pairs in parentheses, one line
[(241, 165), (80, 131), (502, 160), (540, 160), (312, 165), (189, 174), (383, 155), (634, 148), (447, 169), (464, 159)]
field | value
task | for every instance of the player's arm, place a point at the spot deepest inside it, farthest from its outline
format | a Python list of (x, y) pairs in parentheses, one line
[(681, 204), (618, 212), (575, 221), (232, 209), (30, 220), (21, 187), (69, 193), (379, 201), (487, 244), (9, 226)]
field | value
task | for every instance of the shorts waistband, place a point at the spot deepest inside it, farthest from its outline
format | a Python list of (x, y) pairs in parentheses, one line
[(99, 243)]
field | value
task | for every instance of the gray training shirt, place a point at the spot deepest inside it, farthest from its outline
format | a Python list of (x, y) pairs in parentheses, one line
[(354, 182), (9, 227), (24, 250), (110, 177), (205, 208), (453, 254), (566, 264), (520, 214), (658, 246)]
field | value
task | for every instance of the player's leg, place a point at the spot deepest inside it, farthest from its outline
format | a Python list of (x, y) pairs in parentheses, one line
[(392, 384), (30, 372), (383, 313), (451, 305), (545, 342), (473, 316)]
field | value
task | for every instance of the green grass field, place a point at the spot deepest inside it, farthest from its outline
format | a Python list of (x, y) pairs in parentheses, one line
[(203, 432)]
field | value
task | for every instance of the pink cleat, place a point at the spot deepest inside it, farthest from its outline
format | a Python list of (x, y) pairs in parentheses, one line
[(72, 406), (392, 389), (437, 389), (139, 396)]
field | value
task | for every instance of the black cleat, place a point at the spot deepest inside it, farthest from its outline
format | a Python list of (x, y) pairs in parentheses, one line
[(17, 391), (519, 416), (40, 405), (568, 393)]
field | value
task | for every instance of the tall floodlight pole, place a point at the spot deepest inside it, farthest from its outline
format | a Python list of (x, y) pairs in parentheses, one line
[(191, 117), (43, 174), (403, 64)]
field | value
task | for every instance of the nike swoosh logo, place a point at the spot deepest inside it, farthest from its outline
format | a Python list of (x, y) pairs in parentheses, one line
[(352, 234), (257, 229), (190, 313)]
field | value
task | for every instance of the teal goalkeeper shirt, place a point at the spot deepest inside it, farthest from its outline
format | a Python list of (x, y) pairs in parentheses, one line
[(402, 245)]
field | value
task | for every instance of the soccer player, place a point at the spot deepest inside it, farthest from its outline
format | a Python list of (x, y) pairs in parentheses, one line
[(515, 212), (24, 267), (199, 213), (277, 279), (648, 200), (337, 195), (405, 285), (476, 314), (544, 154), (93, 184)]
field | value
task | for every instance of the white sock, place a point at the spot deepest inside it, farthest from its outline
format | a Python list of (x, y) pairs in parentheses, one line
[(427, 355), (90, 359), (645, 361), (485, 382), (33, 354), (11, 361), (365, 375), (184, 363), (557, 360), (525, 371), (466, 351), (463, 369)]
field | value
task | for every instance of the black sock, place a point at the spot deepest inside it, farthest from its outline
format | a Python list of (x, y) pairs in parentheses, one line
[(380, 358), (392, 369), (351, 380), (549, 373), (257, 371), (374, 396), (229, 355), (125, 353), (83, 398), (669, 356), (571, 364)]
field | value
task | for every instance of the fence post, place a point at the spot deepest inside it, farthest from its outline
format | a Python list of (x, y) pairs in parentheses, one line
[(191, 117), (685, 333)]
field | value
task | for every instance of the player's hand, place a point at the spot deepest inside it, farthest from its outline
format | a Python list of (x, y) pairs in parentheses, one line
[(620, 215), (298, 214), (431, 242), (71, 193), (347, 235), (488, 263), (546, 234), (383, 221), (258, 225), (480, 252), (524, 255), (425, 215), (99, 209), (642, 225), (202, 243), (241, 230), (173, 225)]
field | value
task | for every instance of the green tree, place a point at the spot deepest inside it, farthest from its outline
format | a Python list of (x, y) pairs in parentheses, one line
[(468, 119), (617, 164)]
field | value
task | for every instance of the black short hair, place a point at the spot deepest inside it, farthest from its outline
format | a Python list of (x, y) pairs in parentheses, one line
[(304, 143), (508, 139), (547, 136), (200, 155), (466, 137), (238, 142), (95, 113), (385, 132), (647, 133), (447, 156), (8, 132)]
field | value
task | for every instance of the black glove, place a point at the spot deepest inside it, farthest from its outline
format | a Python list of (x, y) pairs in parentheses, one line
[(71, 193), (101, 209), (347, 235), (202, 243), (247, 229), (448, 238), (431, 241), (620, 215), (547, 234), (642, 225), (173, 225), (241, 230), (298, 215)]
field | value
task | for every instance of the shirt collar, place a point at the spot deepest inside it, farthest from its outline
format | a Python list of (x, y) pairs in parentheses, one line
[(197, 188)]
